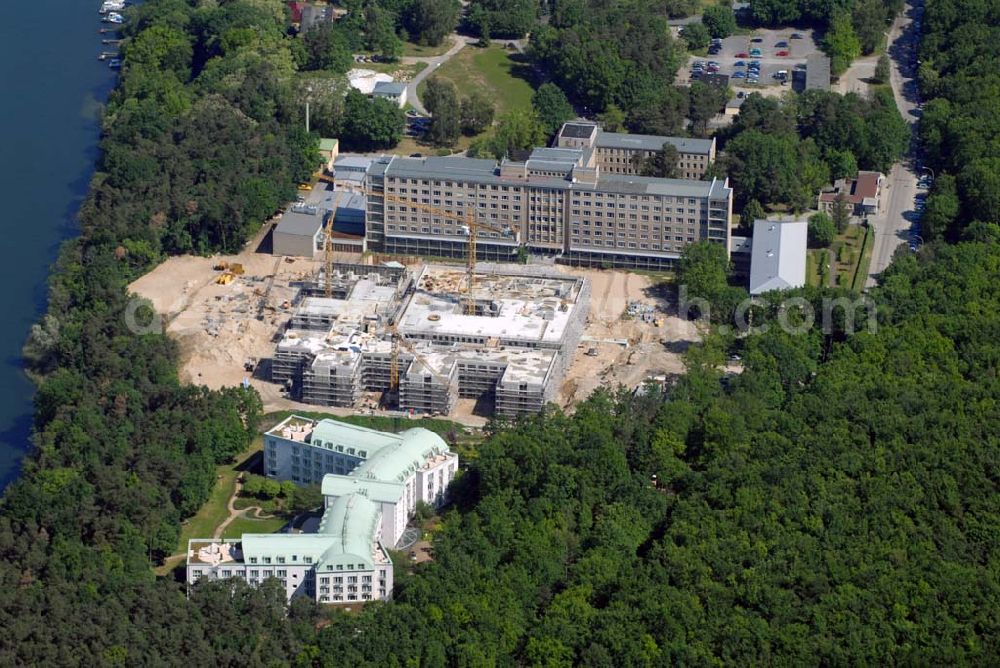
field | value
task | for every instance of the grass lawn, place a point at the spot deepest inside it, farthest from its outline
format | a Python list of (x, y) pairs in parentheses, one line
[(814, 261), (214, 512), (847, 255), (502, 76), (861, 274), (410, 145), (244, 525), (419, 51)]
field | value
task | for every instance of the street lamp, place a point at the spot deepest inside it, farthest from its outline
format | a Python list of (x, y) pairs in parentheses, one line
[(309, 90)]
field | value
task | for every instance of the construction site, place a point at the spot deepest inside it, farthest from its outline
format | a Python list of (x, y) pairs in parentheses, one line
[(421, 340), (394, 336)]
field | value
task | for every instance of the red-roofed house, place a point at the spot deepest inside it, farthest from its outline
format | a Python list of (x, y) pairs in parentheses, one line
[(860, 194), (296, 10)]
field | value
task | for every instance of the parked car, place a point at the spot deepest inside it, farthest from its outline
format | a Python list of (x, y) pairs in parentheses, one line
[(781, 45), (782, 53), (755, 52), (757, 40), (742, 54), (740, 63), (738, 75), (796, 35)]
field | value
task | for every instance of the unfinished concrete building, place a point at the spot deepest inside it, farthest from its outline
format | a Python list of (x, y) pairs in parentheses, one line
[(512, 351)]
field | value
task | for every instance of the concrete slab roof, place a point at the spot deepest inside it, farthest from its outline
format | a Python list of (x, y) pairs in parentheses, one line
[(778, 257), (653, 142), (577, 130), (389, 88), (301, 223)]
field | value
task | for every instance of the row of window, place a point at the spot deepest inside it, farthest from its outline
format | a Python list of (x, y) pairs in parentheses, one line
[(657, 199), (351, 579), (350, 597), (630, 226), (281, 560), (632, 235), (307, 448), (631, 244), (537, 196)]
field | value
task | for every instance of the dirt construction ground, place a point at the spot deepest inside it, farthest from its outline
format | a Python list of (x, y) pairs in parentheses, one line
[(628, 350), (219, 327)]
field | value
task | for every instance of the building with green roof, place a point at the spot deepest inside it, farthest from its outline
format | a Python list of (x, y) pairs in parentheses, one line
[(368, 507)]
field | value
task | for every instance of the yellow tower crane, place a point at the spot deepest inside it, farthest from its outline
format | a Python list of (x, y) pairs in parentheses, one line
[(328, 258), (400, 341), (468, 220)]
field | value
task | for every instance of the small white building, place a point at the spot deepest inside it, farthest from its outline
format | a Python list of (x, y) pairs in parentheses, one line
[(364, 81), (392, 91), (778, 256)]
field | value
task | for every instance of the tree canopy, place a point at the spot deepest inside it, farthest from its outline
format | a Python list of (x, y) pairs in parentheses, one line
[(836, 502)]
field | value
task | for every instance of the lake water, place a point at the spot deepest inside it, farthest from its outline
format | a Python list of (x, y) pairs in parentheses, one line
[(49, 123)]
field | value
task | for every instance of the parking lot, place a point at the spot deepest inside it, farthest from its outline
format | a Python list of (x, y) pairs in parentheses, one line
[(762, 47)]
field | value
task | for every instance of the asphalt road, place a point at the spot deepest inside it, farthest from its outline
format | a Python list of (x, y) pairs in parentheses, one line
[(893, 226), (432, 65)]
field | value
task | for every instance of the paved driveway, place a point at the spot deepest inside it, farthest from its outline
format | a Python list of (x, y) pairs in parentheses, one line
[(898, 221), (432, 65)]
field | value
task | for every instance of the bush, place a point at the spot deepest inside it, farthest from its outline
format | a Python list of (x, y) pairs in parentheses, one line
[(844, 254), (696, 35), (720, 20), (881, 74), (821, 230)]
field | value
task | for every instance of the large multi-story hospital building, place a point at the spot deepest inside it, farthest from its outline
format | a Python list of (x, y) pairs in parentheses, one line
[(573, 203)]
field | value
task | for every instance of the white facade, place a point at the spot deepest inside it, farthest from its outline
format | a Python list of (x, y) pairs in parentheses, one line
[(394, 470), (364, 509), (394, 92)]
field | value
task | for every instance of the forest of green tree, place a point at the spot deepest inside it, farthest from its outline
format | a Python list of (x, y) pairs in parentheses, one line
[(835, 503), (782, 152)]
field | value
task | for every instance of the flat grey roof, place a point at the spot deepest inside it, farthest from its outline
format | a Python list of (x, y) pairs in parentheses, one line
[(551, 165), (653, 142), (300, 224), (577, 130), (556, 154), (778, 256), (485, 171), (354, 201), (353, 162), (625, 183), (389, 88), (817, 72)]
